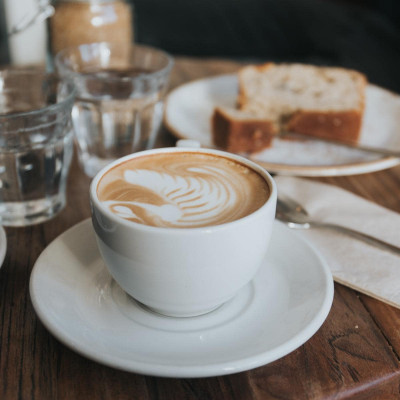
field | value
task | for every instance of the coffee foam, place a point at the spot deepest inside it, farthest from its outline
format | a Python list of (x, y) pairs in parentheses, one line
[(182, 190)]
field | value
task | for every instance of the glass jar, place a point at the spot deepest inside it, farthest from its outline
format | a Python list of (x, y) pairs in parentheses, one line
[(77, 22)]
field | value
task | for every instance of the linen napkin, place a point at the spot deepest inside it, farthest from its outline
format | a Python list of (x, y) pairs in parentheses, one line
[(353, 263)]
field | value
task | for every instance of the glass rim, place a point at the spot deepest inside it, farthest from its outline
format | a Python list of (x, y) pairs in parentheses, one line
[(61, 66), (42, 110)]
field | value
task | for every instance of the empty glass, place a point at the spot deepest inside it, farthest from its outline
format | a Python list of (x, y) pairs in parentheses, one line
[(119, 105), (36, 145)]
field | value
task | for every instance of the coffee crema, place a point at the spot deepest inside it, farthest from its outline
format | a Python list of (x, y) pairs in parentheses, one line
[(182, 190)]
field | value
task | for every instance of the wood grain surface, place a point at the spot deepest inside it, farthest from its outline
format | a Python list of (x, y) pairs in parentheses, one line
[(354, 355)]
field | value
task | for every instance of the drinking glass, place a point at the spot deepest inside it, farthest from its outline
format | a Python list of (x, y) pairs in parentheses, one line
[(36, 145), (119, 105)]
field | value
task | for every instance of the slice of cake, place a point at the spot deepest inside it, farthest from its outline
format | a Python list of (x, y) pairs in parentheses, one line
[(325, 102), (241, 132)]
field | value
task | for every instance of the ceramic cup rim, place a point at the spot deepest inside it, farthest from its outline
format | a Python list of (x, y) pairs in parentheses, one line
[(174, 230)]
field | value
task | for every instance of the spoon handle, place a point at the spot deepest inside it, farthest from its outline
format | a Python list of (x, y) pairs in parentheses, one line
[(357, 146), (373, 241)]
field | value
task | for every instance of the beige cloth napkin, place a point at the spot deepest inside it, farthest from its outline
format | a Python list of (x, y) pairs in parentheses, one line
[(353, 263)]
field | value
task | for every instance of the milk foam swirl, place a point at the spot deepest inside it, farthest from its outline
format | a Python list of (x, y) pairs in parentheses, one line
[(182, 192)]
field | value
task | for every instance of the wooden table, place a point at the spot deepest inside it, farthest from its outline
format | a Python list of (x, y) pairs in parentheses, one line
[(354, 355)]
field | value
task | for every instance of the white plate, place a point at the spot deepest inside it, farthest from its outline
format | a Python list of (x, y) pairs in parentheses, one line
[(3, 245), (83, 307), (190, 106)]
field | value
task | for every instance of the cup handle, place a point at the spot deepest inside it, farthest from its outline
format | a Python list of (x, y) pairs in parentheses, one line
[(192, 144)]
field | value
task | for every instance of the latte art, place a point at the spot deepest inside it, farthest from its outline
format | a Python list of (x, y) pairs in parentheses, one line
[(182, 190)]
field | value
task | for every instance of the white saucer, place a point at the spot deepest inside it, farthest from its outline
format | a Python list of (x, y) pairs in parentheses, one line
[(81, 305), (3, 245)]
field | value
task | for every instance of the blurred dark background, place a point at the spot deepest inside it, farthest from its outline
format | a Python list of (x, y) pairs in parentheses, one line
[(363, 34), (359, 34)]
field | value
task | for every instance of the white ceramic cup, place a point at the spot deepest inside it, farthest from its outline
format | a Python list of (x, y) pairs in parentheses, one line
[(183, 271)]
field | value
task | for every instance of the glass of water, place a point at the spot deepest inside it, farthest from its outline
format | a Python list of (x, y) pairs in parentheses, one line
[(119, 105), (36, 145)]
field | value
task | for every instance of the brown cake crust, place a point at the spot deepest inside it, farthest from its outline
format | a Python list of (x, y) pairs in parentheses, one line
[(241, 136), (342, 126)]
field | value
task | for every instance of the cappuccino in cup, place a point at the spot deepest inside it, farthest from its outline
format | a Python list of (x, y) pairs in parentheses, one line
[(183, 230), (183, 190)]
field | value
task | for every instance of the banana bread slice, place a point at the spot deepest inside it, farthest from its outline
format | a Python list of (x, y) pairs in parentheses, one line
[(241, 132), (326, 102)]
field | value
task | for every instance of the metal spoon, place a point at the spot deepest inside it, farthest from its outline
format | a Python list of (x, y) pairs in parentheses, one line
[(296, 217), (355, 146)]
